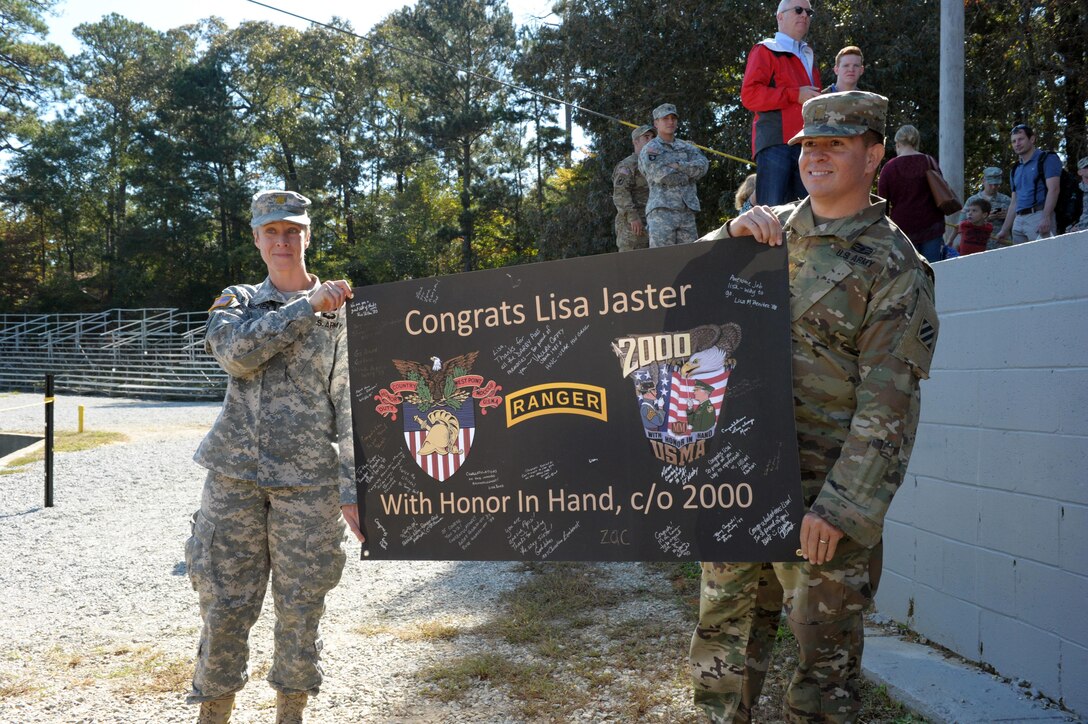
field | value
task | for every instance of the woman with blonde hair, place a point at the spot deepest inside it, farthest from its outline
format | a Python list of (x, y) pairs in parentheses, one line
[(746, 194), (911, 206)]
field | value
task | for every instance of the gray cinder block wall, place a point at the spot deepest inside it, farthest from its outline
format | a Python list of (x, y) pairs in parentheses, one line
[(986, 544)]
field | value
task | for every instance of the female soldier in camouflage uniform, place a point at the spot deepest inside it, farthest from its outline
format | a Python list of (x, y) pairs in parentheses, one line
[(280, 468)]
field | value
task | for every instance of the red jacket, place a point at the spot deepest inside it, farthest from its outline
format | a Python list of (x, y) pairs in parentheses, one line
[(772, 79)]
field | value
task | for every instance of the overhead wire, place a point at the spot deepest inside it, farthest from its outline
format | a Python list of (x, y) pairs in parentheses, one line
[(482, 76)]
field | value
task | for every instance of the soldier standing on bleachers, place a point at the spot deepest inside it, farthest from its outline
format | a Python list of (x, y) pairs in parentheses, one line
[(630, 192), (671, 167)]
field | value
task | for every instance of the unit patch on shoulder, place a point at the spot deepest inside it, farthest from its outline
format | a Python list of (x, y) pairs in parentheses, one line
[(226, 300), (927, 334), (917, 345)]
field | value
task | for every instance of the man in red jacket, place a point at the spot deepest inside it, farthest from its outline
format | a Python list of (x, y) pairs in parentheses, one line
[(780, 76)]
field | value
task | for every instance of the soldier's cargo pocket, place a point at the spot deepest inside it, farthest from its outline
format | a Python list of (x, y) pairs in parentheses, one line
[(197, 550), (326, 556)]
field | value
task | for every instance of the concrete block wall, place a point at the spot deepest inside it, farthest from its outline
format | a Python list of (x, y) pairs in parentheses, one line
[(986, 544)]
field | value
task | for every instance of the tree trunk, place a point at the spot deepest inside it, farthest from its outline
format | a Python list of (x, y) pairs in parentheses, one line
[(539, 160), (224, 222), (290, 181), (349, 216), (466, 204)]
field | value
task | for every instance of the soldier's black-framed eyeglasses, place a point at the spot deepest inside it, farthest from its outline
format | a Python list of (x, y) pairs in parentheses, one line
[(798, 10)]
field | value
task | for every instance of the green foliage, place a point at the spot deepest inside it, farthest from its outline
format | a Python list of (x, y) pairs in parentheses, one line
[(30, 70), (423, 392), (133, 188), (448, 389)]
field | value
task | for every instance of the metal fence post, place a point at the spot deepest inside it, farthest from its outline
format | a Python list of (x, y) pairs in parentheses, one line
[(49, 441)]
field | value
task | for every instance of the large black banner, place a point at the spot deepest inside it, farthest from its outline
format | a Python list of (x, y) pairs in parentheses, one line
[(633, 406)]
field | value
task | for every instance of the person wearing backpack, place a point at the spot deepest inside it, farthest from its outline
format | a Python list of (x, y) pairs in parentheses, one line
[(1036, 183)]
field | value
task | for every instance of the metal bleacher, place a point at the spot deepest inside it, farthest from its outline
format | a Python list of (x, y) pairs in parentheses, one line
[(143, 353)]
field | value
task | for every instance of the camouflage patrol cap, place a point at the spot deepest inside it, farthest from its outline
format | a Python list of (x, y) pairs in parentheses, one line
[(665, 109), (274, 205), (991, 175), (850, 113), (641, 131)]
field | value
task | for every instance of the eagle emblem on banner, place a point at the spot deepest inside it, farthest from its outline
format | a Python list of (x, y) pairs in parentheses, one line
[(436, 401), (680, 381)]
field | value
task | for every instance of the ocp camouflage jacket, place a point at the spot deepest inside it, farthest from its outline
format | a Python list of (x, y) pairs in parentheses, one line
[(286, 417), (864, 327)]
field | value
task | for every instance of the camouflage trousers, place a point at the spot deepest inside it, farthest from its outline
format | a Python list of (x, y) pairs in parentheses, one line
[(740, 605), (626, 240), (242, 533), (669, 227)]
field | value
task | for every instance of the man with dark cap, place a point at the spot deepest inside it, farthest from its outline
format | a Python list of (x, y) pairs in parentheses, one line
[(630, 193), (863, 331), (281, 470), (671, 168)]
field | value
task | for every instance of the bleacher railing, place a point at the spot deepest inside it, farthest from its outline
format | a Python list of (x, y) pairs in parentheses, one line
[(152, 353)]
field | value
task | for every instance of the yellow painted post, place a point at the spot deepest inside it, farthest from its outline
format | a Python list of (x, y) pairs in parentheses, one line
[(81, 418)]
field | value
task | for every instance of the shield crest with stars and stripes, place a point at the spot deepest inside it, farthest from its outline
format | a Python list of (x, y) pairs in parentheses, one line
[(437, 402), (455, 437)]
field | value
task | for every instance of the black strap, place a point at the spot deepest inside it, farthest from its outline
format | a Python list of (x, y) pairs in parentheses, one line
[(1039, 176)]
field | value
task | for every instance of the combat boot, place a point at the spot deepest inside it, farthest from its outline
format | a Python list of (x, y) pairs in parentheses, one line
[(216, 711), (289, 707)]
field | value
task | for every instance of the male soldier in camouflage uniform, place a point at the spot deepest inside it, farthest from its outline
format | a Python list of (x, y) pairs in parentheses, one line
[(630, 193), (863, 331), (280, 468), (671, 168)]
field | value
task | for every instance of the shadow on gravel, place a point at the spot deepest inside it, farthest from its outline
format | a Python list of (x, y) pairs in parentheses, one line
[(28, 511)]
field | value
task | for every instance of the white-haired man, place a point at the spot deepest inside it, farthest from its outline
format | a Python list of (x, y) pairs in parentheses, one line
[(780, 76)]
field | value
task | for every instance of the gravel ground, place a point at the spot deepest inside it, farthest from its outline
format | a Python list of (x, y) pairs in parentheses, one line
[(100, 624)]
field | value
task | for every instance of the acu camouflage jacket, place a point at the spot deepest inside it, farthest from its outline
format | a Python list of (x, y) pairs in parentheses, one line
[(671, 170), (286, 418)]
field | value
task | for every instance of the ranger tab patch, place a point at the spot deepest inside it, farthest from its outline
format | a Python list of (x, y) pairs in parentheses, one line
[(226, 300)]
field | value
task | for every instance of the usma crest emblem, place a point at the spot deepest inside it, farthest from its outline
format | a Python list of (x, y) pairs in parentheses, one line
[(437, 404)]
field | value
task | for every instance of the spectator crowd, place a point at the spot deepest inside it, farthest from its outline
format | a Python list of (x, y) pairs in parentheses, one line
[(656, 185)]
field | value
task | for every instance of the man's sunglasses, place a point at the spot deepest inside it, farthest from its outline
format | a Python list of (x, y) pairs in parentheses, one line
[(807, 11)]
